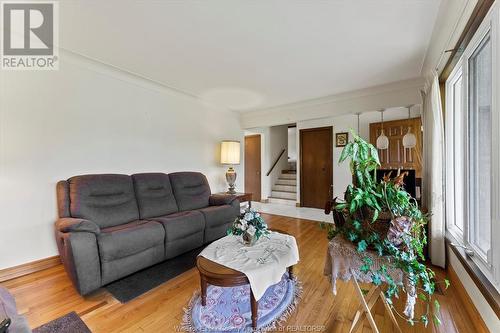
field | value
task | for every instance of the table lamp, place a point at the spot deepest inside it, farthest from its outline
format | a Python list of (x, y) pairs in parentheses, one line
[(230, 155)]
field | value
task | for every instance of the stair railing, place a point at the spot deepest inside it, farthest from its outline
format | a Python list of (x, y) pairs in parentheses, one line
[(276, 161)]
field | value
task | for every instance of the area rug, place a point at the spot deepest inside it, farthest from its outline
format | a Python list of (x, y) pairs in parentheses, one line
[(70, 323), (134, 285), (228, 308)]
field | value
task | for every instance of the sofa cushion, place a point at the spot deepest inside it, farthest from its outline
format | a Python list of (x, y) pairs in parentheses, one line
[(217, 215), (154, 194), (182, 224), (128, 239), (191, 190), (116, 269), (218, 219), (107, 199), (184, 231)]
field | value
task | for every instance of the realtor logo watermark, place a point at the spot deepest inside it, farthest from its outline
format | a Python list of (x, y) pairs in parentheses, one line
[(30, 33)]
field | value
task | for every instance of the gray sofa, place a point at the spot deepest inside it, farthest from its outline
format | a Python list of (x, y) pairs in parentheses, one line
[(113, 225), (8, 309)]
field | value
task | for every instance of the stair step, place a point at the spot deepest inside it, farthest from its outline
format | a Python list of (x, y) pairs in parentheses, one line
[(284, 195), (282, 181), (282, 201), (293, 172), (285, 188), (288, 176)]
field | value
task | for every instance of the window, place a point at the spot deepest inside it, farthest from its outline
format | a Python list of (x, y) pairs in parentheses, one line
[(479, 123), (472, 149), (454, 175)]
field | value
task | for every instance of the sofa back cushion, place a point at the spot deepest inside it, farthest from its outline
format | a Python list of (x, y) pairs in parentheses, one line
[(191, 190), (154, 195), (106, 199), (62, 190)]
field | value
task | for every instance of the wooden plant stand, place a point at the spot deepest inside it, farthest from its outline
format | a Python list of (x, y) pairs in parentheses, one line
[(366, 304)]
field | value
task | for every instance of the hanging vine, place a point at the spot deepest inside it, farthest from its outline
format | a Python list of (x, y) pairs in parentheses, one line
[(402, 240)]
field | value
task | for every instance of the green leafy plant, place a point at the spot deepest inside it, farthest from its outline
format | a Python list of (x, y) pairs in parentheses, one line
[(383, 217)]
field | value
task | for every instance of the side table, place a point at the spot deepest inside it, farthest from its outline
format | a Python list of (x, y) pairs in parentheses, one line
[(242, 197)]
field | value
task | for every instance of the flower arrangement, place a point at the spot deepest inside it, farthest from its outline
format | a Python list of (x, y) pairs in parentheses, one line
[(249, 225), (383, 217)]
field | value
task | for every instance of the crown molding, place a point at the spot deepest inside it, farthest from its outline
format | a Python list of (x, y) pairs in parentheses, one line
[(370, 91), (125, 75), (388, 95)]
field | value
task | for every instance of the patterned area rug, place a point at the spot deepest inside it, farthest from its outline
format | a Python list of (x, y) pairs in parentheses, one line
[(70, 323), (228, 308)]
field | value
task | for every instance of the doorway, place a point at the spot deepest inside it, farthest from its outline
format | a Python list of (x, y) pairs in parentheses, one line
[(253, 166), (316, 166)]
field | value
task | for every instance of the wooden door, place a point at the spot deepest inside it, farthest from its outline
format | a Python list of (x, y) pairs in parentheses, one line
[(397, 156), (316, 166), (252, 166)]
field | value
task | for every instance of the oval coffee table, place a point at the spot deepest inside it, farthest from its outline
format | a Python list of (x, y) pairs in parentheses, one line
[(222, 276)]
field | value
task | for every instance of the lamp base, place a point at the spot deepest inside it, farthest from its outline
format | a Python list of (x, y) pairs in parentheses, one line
[(231, 179)]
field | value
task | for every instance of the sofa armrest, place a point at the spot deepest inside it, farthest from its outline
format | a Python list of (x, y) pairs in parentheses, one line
[(77, 244), (70, 224), (221, 199), (9, 310)]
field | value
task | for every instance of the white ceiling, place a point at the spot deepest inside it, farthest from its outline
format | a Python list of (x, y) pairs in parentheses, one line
[(254, 54)]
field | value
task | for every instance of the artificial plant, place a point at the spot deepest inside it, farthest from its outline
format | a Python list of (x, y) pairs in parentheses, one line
[(250, 225), (367, 205)]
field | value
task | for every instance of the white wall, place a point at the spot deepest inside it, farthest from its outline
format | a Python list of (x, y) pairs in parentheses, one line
[(292, 148), (341, 173), (91, 118), (482, 306)]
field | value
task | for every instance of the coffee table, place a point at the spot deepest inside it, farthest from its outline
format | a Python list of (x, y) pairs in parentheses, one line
[(222, 276)]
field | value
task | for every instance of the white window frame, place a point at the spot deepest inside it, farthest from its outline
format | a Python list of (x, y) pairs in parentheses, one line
[(453, 153), (457, 146)]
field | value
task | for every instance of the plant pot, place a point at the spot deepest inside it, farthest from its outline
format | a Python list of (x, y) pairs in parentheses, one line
[(380, 226), (338, 216), (248, 239)]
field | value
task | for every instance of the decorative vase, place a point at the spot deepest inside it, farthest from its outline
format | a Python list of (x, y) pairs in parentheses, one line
[(231, 179), (248, 239)]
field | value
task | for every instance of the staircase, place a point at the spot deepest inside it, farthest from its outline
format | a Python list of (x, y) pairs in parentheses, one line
[(284, 190)]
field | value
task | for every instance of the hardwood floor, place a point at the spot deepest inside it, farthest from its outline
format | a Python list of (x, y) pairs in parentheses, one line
[(48, 294)]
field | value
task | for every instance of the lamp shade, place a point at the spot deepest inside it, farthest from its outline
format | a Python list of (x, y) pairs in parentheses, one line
[(230, 152), (409, 140), (382, 141)]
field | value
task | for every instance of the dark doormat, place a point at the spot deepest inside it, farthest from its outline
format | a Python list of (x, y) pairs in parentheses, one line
[(134, 285), (70, 323)]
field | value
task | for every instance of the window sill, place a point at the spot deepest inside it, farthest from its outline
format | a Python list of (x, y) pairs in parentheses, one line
[(484, 285)]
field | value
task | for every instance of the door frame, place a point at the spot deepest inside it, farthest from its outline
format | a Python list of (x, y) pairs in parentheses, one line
[(330, 165), (254, 197)]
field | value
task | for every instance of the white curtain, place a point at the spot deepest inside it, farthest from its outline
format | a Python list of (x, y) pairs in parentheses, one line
[(433, 170)]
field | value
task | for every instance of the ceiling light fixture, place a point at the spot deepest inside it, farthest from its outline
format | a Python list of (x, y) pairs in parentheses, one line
[(382, 140), (409, 139)]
